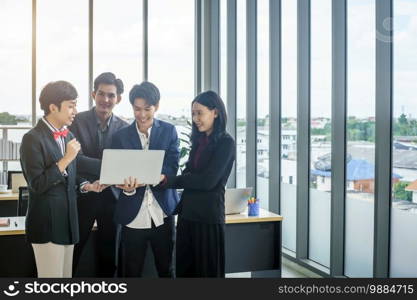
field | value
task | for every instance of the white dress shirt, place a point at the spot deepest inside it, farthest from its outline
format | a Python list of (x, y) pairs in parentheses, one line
[(61, 144), (60, 140), (149, 210)]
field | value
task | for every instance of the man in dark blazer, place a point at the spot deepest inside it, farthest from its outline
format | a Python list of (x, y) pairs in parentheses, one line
[(49, 157), (94, 130), (145, 211)]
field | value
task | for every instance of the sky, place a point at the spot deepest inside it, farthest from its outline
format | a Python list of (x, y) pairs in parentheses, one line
[(62, 53)]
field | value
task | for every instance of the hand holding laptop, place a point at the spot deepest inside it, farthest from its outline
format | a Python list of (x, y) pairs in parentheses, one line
[(130, 184), (129, 168)]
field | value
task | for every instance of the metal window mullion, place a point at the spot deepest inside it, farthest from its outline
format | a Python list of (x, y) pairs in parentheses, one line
[(383, 137), (34, 39), (145, 39), (303, 127), (274, 105), (215, 45), (232, 77), (197, 47), (251, 94), (90, 51), (210, 45), (5, 162), (338, 163)]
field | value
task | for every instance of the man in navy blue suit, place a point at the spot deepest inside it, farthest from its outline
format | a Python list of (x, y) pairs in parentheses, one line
[(145, 211)]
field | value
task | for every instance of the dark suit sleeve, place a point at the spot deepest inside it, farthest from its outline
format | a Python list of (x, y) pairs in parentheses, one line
[(172, 155), (88, 167), (40, 178), (74, 128), (210, 177), (171, 160), (188, 164), (116, 142)]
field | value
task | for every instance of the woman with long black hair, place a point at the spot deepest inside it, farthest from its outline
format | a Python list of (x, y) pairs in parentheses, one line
[(200, 250)]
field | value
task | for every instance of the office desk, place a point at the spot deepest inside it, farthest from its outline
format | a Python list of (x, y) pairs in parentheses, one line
[(16, 255), (8, 204), (9, 196), (253, 244)]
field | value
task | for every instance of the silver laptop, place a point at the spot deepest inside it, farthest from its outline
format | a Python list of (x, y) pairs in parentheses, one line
[(118, 164), (236, 200)]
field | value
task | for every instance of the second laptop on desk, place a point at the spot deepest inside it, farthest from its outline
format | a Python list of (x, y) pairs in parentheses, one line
[(236, 200)]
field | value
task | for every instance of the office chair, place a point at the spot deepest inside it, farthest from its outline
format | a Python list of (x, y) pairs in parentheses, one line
[(9, 178), (22, 202), (14, 180)]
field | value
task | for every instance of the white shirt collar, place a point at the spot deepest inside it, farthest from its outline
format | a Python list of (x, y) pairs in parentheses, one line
[(51, 127), (142, 134)]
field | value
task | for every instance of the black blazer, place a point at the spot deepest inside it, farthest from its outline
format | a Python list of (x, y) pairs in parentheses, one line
[(85, 129), (203, 197), (52, 208)]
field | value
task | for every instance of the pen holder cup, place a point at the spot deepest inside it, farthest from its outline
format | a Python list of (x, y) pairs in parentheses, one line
[(253, 209)]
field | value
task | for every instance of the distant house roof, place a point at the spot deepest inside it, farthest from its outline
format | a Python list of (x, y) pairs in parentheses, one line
[(357, 169), (404, 146), (405, 159), (408, 138), (412, 187)]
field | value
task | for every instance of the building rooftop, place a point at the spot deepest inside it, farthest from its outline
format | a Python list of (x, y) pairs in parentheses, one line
[(357, 169), (412, 187)]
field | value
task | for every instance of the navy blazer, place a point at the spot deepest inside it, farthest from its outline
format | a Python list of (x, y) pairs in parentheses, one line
[(163, 137)]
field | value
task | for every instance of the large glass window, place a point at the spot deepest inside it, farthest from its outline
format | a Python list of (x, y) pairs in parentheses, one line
[(15, 76), (118, 45), (320, 128), (360, 160), (171, 54), (404, 176), (62, 46), (289, 124), (171, 60), (241, 95), (262, 132), (15, 61), (223, 51)]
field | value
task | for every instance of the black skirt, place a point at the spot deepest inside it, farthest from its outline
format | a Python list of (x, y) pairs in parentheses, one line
[(199, 249)]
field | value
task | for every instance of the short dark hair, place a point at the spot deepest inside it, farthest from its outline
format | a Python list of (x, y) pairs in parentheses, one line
[(56, 92), (147, 91), (211, 100), (109, 78)]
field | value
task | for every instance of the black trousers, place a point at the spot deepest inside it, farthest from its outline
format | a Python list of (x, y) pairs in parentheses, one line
[(199, 249), (100, 207), (133, 245)]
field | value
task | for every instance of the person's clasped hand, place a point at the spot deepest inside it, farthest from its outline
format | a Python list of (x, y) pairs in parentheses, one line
[(130, 184), (94, 187)]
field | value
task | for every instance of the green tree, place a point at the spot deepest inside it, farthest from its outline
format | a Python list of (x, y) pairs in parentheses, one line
[(402, 120), (7, 119), (400, 193)]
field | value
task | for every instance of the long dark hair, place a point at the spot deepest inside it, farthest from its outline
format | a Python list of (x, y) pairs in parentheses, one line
[(212, 101)]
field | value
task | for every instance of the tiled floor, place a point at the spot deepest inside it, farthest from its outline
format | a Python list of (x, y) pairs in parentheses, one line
[(293, 270), (289, 270)]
